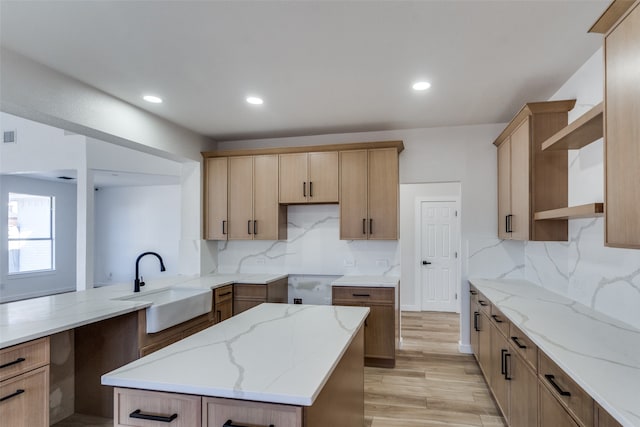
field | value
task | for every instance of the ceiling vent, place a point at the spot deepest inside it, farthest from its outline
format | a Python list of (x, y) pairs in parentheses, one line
[(9, 137)]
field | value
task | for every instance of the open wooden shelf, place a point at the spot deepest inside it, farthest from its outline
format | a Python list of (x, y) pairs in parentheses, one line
[(590, 210), (583, 131)]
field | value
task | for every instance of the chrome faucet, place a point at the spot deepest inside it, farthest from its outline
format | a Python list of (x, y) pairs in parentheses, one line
[(138, 282)]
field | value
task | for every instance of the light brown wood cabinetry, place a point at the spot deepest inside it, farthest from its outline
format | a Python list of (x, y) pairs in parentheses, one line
[(523, 391), (484, 343), (148, 343), (140, 408), (215, 198), (24, 384), (309, 177), (246, 296), (254, 212), (551, 413), (498, 379), (216, 412), (602, 418), (530, 180), (381, 324), (474, 313), (369, 194), (222, 303)]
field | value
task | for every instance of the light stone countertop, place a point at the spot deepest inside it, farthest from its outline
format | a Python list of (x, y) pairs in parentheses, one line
[(368, 281), (276, 353), (26, 320), (599, 353)]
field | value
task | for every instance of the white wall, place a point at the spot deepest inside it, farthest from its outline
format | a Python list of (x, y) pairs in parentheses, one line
[(132, 220), (28, 285)]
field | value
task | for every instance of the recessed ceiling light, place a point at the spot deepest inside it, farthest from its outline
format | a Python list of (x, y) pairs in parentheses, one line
[(421, 85), (254, 100), (152, 99)]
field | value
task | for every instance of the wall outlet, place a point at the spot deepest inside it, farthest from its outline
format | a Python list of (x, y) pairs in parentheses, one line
[(297, 300)]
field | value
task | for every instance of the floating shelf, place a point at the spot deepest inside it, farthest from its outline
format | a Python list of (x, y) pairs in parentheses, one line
[(590, 210), (583, 131)]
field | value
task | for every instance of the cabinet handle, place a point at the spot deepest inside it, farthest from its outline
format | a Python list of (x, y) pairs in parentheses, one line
[(249, 227), (475, 320), (364, 226), (230, 423), (509, 223), (361, 295), (503, 371), (507, 376), (18, 392), (370, 226), (218, 316), (15, 362), (472, 292), (551, 379), (495, 317), (224, 293), (310, 188), (255, 226), (304, 189), (224, 228), (518, 343), (482, 303), (162, 418)]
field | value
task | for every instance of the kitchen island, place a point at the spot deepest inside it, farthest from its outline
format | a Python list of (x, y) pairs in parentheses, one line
[(286, 365)]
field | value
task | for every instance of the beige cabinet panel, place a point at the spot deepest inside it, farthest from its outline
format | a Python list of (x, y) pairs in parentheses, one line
[(215, 196), (217, 412), (323, 177), (240, 198), (383, 194), (353, 195), (622, 133), (131, 407), (26, 399), (484, 344), (523, 383), (504, 189), (520, 182), (551, 413), (266, 209), (497, 377), (293, 178)]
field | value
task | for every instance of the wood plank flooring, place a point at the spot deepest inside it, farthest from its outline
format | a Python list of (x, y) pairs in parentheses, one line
[(432, 383)]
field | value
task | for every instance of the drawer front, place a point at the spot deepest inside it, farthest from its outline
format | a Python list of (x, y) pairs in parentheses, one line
[(578, 402), (500, 320), (222, 294), (26, 399), (552, 413), (473, 295), (138, 407), (216, 412), (485, 305), (257, 292), (522, 345), (604, 419), (363, 295), (24, 357)]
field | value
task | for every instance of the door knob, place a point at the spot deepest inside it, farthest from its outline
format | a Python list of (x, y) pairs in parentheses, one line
[(426, 262)]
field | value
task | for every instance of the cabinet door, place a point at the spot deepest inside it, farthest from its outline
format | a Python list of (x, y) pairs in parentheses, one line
[(497, 380), (474, 315), (216, 412), (504, 189), (379, 331), (240, 305), (216, 199), (293, 178), (551, 413), (223, 310), (523, 409), (323, 177), (520, 189), (240, 198), (484, 344), (353, 195), (265, 198), (622, 127), (383, 194), (25, 399)]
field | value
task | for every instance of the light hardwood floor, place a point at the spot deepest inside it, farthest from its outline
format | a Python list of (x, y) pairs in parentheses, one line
[(431, 385)]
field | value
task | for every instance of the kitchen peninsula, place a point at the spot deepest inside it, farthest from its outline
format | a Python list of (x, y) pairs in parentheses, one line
[(275, 364)]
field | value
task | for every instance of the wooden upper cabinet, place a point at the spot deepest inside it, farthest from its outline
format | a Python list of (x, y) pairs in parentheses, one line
[(622, 132), (240, 198), (215, 198), (309, 177), (369, 194), (530, 180)]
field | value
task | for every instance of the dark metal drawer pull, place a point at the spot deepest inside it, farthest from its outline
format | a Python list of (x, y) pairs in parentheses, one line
[(162, 418), (473, 292), (224, 293), (503, 369), (18, 392), (304, 189), (495, 317), (15, 362), (310, 188), (482, 303), (230, 423), (518, 343), (475, 320), (249, 227), (364, 226), (507, 376), (361, 295), (370, 226), (551, 378), (224, 228)]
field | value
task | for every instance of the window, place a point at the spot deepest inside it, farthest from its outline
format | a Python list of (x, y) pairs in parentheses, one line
[(31, 233)]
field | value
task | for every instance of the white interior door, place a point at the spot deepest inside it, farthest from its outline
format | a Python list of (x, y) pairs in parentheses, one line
[(439, 259)]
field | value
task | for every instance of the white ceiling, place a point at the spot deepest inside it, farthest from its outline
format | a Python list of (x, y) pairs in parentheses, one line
[(321, 66)]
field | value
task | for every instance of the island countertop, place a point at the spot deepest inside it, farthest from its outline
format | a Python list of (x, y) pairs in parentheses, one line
[(599, 353), (275, 353)]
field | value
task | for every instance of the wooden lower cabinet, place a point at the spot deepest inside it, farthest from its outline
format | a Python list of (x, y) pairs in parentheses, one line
[(551, 413), (498, 379), (148, 343), (380, 326), (523, 383), (484, 343), (222, 303), (25, 399), (601, 418), (246, 296), (216, 412), (141, 408)]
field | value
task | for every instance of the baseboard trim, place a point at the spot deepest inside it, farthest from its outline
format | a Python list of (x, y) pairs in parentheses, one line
[(465, 348), (410, 308)]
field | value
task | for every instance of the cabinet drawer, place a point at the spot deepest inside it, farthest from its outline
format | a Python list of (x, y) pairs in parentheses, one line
[(577, 401), (363, 294), (485, 305), (473, 295), (139, 407), (499, 320), (26, 399), (222, 294), (23, 357), (257, 292), (216, 412), (522, 345)]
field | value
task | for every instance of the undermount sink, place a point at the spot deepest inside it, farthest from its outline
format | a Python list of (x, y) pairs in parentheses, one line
[(173, 306)]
